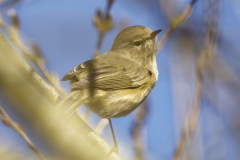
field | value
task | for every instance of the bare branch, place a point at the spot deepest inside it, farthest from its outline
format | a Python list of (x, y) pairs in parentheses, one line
[(37, 58), (175, 23), (101, 126), (137, 128), (18, 128), (104, 23), (205, 58), (193, 118), (36, 100)]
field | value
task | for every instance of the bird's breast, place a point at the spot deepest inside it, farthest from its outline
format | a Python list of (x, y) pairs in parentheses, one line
[(118, 103)]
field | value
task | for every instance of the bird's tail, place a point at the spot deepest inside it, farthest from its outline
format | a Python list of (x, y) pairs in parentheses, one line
[(69, 105)]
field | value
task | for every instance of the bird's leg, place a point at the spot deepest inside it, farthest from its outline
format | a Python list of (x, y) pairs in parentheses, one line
[(115, 147)]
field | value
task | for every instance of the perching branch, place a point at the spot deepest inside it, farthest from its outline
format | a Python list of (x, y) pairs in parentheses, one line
[(35, 99), (36, 57)]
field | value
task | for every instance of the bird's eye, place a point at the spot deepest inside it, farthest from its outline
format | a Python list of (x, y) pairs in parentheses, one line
[(137, 43)]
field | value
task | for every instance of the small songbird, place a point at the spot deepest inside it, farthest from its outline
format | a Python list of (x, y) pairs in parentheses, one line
[(115, 83)]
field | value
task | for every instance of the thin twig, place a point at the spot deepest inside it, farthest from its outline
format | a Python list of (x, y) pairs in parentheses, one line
[(50, 78), (18, 128), (87, 115), (101, 126), (204, 58), (37, 58), (137, 128), (37, 103), (104, 23), (176, 22), (193, 118)]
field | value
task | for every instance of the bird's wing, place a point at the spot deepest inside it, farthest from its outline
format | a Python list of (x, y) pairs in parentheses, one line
[(77, 70), (107, 76)]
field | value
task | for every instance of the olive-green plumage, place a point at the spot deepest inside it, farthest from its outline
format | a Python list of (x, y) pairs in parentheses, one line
[(115, 83)]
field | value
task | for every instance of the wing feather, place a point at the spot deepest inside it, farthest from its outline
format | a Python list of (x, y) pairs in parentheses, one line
[(107, 76)]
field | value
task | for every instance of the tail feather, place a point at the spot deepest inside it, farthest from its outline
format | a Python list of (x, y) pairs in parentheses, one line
[(69, 105)]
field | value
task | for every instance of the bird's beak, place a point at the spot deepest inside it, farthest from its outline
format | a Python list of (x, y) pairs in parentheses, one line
[(154, 33)]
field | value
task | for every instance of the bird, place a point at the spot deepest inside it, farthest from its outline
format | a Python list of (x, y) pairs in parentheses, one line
[(115, 83)]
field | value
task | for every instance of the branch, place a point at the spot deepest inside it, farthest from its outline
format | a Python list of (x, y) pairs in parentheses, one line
[(36, 58), (137, 128), (104, 23), (35, 100), (205, 57), (175, 23), (193, 118), (18, 128), (101, 126)]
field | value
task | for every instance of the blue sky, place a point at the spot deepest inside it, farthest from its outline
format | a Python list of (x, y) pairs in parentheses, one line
[(66, 35)]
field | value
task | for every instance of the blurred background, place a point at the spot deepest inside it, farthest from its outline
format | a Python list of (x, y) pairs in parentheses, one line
[(208, 125)]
